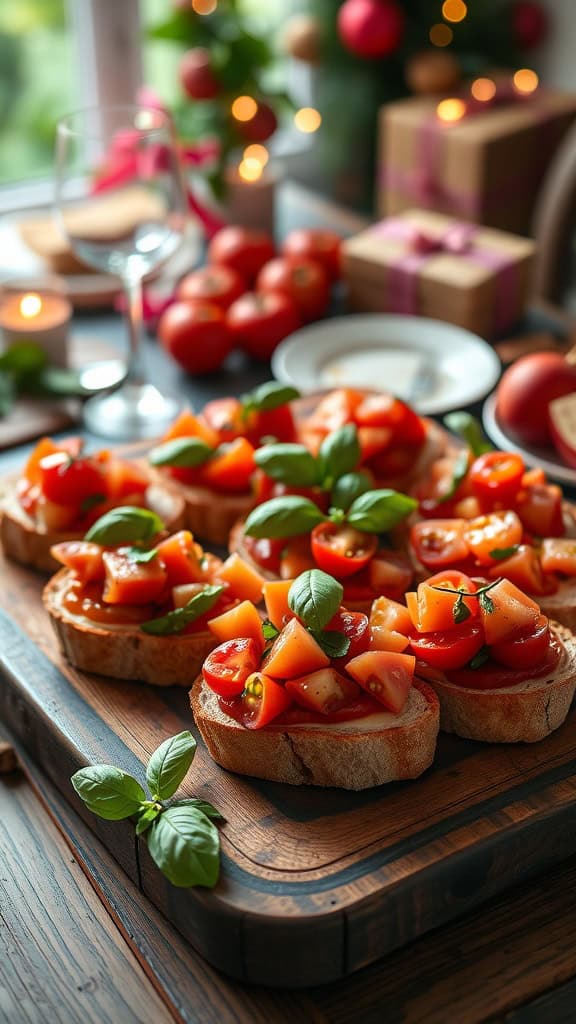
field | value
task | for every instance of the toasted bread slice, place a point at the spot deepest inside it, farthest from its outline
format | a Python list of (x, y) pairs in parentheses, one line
[(124, 651), (351, 755), (210, 515), (28, 542), (524, 713)]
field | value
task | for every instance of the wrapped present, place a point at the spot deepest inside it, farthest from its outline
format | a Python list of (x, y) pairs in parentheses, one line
[(427, 264), (482, 161)]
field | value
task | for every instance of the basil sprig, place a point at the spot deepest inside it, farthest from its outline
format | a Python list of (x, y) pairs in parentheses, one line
[(268, 396), (294, 465), (379, 511), (349, 487), (181, 837), (176, 620), (315, 597), (125, 524), (468, 428), (339, 453), (292, 515), (184, 452)]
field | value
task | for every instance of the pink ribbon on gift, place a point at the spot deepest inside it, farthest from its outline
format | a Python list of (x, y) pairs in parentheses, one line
[(459, 239)]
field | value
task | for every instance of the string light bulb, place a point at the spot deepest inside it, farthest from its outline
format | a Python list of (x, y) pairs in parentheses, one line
[(307, 119), (483, 89), (244, 108), (525, 80), (451, 110), (454, 10)]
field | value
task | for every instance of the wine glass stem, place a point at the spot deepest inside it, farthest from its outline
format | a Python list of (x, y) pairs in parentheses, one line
[(135, 369)]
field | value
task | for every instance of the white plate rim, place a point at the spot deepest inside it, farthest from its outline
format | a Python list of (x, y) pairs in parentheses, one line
[(476, 389), (555, 470)]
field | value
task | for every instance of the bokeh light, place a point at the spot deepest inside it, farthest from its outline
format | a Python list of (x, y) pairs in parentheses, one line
[(307, 119), (30, 305), (204, 6), (451, 110), (244, 108), (257, 152), (454, 10), (525, 80), (483, 89), (441, 35), (250, 169)]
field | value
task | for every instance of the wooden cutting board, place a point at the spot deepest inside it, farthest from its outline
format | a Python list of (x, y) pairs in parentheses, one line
[(315, 883)]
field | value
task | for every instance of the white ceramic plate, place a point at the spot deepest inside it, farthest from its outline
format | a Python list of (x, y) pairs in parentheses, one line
[(431, 364), (546, 458)]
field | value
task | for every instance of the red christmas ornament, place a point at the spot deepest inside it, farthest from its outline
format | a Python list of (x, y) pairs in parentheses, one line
[(261, 126), (371, 28), (529, 23), (196, 75)]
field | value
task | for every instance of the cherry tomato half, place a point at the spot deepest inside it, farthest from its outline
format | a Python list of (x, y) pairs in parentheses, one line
[(440, 542), (449, 650), (526, 649), (263, 700), (69, 481), (497, 477), (355, 626), (229, 665), (494, 532), (341, 550)]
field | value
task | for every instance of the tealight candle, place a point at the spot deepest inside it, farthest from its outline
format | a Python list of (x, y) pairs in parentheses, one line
[(42, 317), (250, 194)]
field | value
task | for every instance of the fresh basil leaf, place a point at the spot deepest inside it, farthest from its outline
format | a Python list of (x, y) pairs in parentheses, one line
[(208, 809), (147, 817), (499, 554), (270, 395), (184, 452), (108, 792), (334, 643), (378, 511), (23, 358), (169, 764), (458, 475), (287, 516), (176, 620), (468, 428), (269, 631), (124, 524), (290, 464), (486, 603), (315, 597), (7, 392), (480, 658), (142, 555), (185, 845), (349, 487), (339, 453)]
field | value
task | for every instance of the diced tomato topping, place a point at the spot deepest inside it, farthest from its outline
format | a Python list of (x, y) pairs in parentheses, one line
[(526, 648), (387, 411), (223, 417), (496, 478), (540, 509), (124, 478), (436, 602), (390, 573), (509, 612), (525, 569), (384, 639), (385, 675), (439, 542), (266, 551), (131, 582), (244, 582), (355, 627), (494, 532), (559, 555), (334, 410), (54, 517), (241, 620), (372, 441), (231, 468), (227, 668), (451, 649), (82, 557), (277, 423), (275, 593), (340, 550), (324, 691), (69, 481), (296, 557), (188, 425), (294, 653), (391, 615), (179, 558), (263, 700)]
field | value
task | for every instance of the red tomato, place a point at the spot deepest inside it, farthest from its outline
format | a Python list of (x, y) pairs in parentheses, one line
[(195, 335), (131, 582), (525, 649), (439, 542), (526, 390), (315, 244), (435, 603), (259, 322), (302, 280), (384, 410), (82, 556), (296, 557), (540, 509), (244, 249), (122, 477), (224, 416), (231, 468), (263, 700), (340, 550), (227, 668), (265, 551), (494, 532), (449, 650), (355, 626), (278, 423), (497, 477), (46, 446), (390, 573), (324, 691), (221, 285), (180, 559), (68, 481), (385, 675), (524, 569)]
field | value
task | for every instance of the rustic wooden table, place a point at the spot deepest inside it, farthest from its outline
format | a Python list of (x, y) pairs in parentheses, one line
[(81, 943)]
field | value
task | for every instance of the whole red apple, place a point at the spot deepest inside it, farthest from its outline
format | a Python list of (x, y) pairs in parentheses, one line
[(525, 392)]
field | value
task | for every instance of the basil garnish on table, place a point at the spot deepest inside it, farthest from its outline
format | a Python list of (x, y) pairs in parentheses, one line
[(125, 524), (176, 620), (181, 837)]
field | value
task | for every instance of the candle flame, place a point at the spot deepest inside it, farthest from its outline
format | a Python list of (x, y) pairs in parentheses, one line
[(30, 305), (250, 169), (451, 110), (525, 80)]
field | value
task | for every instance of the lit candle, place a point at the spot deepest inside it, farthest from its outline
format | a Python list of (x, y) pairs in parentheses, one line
[(250, 192), (42, 317)]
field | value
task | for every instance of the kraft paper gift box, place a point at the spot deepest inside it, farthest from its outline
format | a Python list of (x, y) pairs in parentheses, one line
[(486, 167), (427, 264)]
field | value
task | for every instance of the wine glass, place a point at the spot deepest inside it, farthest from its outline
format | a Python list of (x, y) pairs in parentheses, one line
[(121, 204)]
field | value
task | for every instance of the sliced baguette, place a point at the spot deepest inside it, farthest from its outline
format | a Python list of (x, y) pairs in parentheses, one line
[(124, 652), (26, 541), (210, 515), (353, 755), (524, 713)]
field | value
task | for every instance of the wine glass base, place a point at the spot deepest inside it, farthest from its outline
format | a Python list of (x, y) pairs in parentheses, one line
[(133, 412)]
